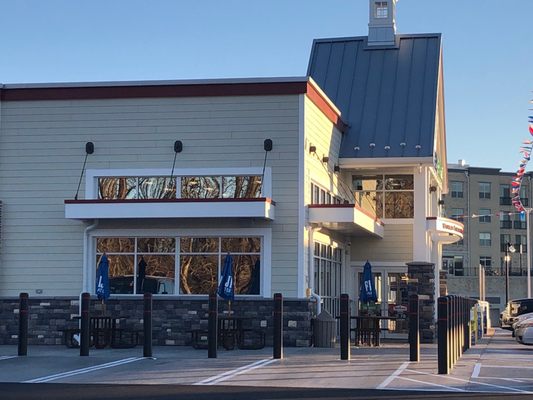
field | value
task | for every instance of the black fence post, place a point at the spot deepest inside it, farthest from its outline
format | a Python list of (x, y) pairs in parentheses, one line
[(414, 329), (212, 326), (147, 324), (23, 324), (278, 326), (85, 335), (443, 335), (345, 326)]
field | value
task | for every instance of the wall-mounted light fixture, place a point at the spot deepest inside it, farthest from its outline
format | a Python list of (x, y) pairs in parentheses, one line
[(267, 146), (312, 149), (441, 202), (89, 149), (178, 148), (336, 168), (432, 188), (325, 159)]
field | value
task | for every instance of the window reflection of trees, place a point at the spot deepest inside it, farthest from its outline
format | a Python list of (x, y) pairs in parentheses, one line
[(157, 188), (199, 274), (192, 187), (389, 196), (117, 188), (156, 245), (238, 187), (200, 187), (200, 262)]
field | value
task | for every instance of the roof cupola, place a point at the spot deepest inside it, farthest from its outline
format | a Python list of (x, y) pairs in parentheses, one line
[(382, 25)]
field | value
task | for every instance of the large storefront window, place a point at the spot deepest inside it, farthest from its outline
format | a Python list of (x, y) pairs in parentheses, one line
[(190, 187), (141, 264), (388, 196), (328, 276)]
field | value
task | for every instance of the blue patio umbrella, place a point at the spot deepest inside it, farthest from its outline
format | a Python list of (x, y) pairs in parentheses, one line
[(102, 279), (226, 287), (367, 291)]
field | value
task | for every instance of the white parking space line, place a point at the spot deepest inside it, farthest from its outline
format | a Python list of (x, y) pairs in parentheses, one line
[(473, 382), (393, 376), (83, 370), (477, 369), (230, 374), (432, 384), (507, 366), (6, 357)]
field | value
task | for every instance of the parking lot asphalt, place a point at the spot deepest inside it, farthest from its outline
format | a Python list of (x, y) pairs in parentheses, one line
[(497, 365)]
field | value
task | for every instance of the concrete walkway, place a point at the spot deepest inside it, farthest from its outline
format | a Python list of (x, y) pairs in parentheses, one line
[(497, 365)]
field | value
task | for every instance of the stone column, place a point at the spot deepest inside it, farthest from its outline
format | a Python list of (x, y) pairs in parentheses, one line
[(422, 282)]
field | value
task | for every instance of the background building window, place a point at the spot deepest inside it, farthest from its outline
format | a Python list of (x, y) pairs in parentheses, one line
[(484, 190), (505, 195), (504, 239), (486, 264), (453, 265), (457, 189), (505, 220), (484, 239), (484, 215)]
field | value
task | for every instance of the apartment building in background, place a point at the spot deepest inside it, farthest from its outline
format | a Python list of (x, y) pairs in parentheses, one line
[(495, 234)]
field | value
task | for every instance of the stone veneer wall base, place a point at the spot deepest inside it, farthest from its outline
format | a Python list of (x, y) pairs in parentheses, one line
[(173, 318)]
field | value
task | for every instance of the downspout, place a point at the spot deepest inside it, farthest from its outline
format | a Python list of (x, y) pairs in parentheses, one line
[(313, 294), (85, 275)]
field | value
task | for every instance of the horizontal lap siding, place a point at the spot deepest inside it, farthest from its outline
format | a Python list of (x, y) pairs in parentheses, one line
[(42, 147), (396, 245)]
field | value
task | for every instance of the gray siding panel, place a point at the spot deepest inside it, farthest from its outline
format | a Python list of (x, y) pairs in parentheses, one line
[(42, 147)]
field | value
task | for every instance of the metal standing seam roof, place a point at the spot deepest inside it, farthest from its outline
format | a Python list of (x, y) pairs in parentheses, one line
[(387, 95)]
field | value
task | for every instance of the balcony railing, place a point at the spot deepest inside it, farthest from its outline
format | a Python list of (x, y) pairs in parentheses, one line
[(519, 224), (505, 201), (506, 224)]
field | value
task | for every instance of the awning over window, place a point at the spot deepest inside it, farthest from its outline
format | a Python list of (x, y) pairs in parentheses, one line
[(345, 218), (170, 208)]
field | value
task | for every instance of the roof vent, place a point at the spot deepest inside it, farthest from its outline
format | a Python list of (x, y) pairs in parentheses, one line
[(382, 23)]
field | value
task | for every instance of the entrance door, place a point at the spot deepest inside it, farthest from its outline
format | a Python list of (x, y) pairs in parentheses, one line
[(397, 304)]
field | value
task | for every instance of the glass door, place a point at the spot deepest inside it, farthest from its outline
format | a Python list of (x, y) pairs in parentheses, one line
[(397, 304)]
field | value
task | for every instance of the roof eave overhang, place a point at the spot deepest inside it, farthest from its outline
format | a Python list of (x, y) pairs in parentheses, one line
[(385, 162)]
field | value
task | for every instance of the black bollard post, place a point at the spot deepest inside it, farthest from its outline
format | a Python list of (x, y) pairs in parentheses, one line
[(212, 326), (414, 329), (85, 335), (278, 326), (345, 326), (443, 337), (23, 325), (147, 324)]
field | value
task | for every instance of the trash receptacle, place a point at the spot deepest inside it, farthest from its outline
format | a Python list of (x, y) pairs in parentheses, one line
[(325, 330)]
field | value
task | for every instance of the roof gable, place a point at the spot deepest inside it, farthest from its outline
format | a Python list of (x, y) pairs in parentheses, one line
[(387, 95)]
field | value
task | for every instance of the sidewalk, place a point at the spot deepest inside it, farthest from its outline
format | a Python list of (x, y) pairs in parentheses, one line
[(497, 365)]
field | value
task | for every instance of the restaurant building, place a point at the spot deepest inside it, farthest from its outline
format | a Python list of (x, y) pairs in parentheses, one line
[(301, 180)]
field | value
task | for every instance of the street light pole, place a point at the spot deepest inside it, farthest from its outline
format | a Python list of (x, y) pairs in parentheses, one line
[(509, 248), (528, 254), (506, 272)]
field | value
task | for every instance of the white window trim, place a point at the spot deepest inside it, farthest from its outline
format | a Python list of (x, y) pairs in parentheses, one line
[(265, 258), (91, 181)]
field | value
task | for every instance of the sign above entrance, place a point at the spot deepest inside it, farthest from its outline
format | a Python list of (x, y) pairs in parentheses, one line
[(444, 230)]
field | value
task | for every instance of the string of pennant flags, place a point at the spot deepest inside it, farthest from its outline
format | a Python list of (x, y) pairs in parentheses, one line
[(526, 150)]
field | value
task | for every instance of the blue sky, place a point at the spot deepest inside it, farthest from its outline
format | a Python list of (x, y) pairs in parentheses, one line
[(488, 51)]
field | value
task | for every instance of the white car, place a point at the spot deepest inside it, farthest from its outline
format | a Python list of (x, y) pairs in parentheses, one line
[(517, 320), (524, 331)]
